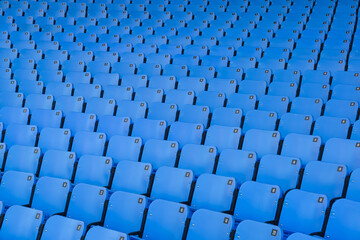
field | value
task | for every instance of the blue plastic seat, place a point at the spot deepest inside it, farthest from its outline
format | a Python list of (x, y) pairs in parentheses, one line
[(78, 77), (249, 229), (194, 114), (257, 119), (17, 134), (172, 184), (279, 170), (89, 143), (196, 50), (81, 56), (93, 170), (8, 85), (196, 84), (341, 108), (261, 141), (124, 148), (307, 106), (238, 164), (347, 78), (22, 74), (100, 106), (132, 109), (213, 192), (186, 60), (200, 159), (313, 76), (31, 87), (257, 88), (58, 226), (339, 224), (16, 188), (50, 195), (19, 217), (342, 151), (135, 81), (355, 131), (179, 97), (87, 203), (165, 157), (202, 71), (112, 125), (87, 90), (76, 122), (227, 86), (54, 138), (354, 186), (56, 55), (32, 54), (223, 137), (162, 111), (97, 232), (165, 220), (230, 117), (132, 177), (13, 115), (105, 79), (295, 123), (304, 147), (39, 101), (11, 99), (206, 224), (324, 178), (213, 99), (23, 159), (51, 77), (162, 59), (149, 129), (58, 164), (312, 90), (69, 104), (149, 95), (125, 212), (175, 70), (251, 194), (329, 127), (186, 133), (301, 236), (292, 218)]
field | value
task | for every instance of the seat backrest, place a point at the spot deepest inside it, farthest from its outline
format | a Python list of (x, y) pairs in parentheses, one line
[(26, 219), (213, 192), (125, 212), (95, 170), (160, 153), (51, 195), (165, 220), (172, 184), (67, 228), (59, 164), (303, 212), (210, 225), (132, 177), (124, 148), (199, 158), (324, 178), (23, 159), (87, 203), (257, 201), (16, 188), (342, 222), (253, 230)]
